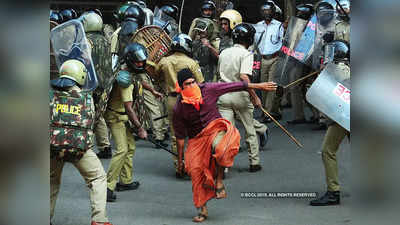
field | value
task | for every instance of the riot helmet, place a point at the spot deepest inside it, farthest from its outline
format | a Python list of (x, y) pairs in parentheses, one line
[(325, 13), (119, 14), (336, 51), (204, 25), (56, 17), (346, 6), (304, 11), (135, 53), (92, 22), (170, 10), (135, 13), (141, 3), (208, 6), (267, 10), (182, 43), (74, 70), (97, 11), (243, 34), (232, 16), (68, 14)]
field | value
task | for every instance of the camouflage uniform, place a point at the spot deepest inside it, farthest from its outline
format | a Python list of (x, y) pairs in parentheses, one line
[(101, 56), (108, 31), (153, 106), (214, 34), (206, 59), (71, 139)]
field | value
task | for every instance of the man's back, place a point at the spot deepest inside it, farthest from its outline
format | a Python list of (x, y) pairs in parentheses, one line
[(234, 61)]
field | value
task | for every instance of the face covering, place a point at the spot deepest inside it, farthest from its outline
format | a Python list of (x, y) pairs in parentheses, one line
[(191, 95)]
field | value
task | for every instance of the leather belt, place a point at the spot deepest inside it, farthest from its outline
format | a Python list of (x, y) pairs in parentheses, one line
[(120, 113), (271, 56), (173, 94)]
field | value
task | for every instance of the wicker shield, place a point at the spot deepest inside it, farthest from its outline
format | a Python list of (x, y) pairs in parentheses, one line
[(157, 43)]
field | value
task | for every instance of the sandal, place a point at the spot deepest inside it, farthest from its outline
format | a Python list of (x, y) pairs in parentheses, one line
[(219, 191), (199, 218)]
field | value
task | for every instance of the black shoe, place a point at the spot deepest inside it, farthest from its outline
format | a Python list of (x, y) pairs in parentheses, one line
[(330, 198), (166, 136), (297, 121), (269, 120), (105, 154), (160, 143), (125, 187), (254, 168), (111, 197), (320, 126), (264, 138)]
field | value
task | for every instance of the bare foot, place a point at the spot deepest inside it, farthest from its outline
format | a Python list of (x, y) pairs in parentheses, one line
[(220, 191)]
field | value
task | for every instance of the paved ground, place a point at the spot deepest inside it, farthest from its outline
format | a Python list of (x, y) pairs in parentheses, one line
[(163, 200)]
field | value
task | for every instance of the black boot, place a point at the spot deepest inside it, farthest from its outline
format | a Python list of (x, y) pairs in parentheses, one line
[(330, 198), (126, 187), (111, 197), (105, 154)]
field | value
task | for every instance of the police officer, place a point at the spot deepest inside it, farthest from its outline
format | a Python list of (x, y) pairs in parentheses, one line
[(166, 18), (342, 28), (236, 64), (71, 137), (68, 14), (168, 68), (204, 49), (334, 135), (101, 56), (269, 40), (228, 20), (119, 111), (133, 19), (207, 11), (150, 95)]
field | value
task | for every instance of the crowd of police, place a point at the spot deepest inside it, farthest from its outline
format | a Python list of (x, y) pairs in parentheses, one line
[(127, 103)]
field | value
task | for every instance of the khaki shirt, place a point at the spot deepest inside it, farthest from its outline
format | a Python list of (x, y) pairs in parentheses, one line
[(169, 66), (114, 41), (342, 31), (233, 62), (147, 95), (118, 97)]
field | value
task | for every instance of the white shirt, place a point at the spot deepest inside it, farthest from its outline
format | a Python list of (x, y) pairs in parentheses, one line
[(272, 38)]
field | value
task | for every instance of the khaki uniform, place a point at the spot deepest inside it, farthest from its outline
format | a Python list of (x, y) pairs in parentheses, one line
[(121, 165), (92, 171), (333, 137), (114, 41), (270, 102), (233, 62), (168, 67), (153, 106), (101, 133)]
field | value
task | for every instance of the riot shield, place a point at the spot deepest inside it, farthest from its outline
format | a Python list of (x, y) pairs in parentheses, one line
[(69, 42), (149, 16), (288, 58), (330, 93), (166, 22), (305, 46), (325, 30), (53, 65)]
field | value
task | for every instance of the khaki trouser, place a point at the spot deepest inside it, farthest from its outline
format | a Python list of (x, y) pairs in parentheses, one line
[(93, 173), (239, 103), (296, 94), (270, 102), (154, 108), (121, 165), (333, 137), (170, 108), (101, 132), (259, 127)]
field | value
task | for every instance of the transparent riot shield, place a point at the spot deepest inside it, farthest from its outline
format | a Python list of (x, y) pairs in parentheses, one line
[(305, 46), (325, 30), (166, 22), (330, 93), (288, 58), (69, 42)]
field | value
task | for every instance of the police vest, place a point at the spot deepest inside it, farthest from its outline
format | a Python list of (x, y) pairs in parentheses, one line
[(71, 124)]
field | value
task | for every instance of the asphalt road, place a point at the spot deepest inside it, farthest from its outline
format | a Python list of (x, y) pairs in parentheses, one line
[(163, 200)]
